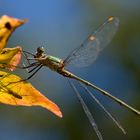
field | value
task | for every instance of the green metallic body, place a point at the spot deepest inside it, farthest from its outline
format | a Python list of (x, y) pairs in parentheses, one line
[(52, 62), (54, 59)]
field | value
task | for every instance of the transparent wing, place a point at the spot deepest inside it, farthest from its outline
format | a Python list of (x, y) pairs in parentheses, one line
[(88, 51), (87, 111), (105, 110)]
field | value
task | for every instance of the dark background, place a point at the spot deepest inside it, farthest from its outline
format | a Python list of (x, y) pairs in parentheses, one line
[(60, 26)]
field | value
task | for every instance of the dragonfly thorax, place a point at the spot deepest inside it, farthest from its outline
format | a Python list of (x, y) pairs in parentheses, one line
[(51, 62)]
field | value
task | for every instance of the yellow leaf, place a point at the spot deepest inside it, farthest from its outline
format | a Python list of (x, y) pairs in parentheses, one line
[(10, 57), (7, 26), (23, 93)]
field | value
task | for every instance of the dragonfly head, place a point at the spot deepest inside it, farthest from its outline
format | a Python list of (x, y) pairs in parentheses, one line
[(40, 52)]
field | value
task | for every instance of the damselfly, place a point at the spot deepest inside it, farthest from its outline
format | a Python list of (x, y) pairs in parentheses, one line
[(82, 56)]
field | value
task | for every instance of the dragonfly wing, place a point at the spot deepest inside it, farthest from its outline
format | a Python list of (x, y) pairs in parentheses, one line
[(88, 51), (87, 111), (105, 110), (106, 32), (85, 55)]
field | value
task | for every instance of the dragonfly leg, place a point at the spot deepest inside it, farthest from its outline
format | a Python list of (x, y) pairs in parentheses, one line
[(37, 69), (26, 52), (29, 66)]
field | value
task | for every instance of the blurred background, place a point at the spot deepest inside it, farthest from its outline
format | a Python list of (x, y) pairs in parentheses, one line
[(60, 26)]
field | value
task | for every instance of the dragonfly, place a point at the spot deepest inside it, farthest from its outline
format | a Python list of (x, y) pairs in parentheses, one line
[(82, 56)]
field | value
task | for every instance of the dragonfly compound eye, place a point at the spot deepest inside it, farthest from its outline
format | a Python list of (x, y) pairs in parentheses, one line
[(40, 50)]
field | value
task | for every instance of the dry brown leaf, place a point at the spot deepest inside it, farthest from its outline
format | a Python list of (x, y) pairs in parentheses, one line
[(23, 94), (10, 57), (7, 26)]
